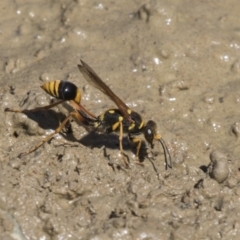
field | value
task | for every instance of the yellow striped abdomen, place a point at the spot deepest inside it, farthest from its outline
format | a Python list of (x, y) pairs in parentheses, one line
[(63, 90)]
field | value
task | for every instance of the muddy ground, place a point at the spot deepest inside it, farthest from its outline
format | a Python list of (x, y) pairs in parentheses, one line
[(175, 62)]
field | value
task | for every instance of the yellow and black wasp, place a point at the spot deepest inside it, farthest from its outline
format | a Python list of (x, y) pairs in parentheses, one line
[(64, 91), (123, 119)]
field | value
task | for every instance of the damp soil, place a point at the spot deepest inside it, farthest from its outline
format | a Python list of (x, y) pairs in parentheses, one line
[(174, 62)]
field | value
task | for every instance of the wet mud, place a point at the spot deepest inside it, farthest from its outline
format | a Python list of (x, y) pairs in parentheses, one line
[(177, 63)]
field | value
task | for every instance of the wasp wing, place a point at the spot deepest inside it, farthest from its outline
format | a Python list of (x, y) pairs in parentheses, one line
[(98, 83)]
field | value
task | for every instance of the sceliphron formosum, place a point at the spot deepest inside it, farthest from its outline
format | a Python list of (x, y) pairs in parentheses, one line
[(123, 119)]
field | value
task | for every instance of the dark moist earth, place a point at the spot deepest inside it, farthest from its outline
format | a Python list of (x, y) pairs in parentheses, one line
[(175, 62)]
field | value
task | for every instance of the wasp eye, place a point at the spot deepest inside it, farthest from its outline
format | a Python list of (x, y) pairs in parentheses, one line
[(150, 132)]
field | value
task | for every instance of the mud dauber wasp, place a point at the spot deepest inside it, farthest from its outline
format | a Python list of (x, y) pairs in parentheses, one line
[(122, 119)]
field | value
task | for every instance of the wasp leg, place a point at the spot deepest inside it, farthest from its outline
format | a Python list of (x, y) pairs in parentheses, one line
[(73, 114), (34, 109), (81, 109), (76, 106), (124, 156), (138, 142)]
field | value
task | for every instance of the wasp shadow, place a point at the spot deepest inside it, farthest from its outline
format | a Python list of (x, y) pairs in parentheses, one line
[(98, 140), (46, 119), (50, 119)]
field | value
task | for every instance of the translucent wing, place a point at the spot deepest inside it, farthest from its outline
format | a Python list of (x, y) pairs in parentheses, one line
[(98, 83)]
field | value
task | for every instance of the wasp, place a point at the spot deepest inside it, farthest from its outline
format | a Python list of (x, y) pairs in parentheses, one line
[(64, 91), (122, 119)]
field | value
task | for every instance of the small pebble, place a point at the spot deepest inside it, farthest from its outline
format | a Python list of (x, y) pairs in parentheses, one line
[(218, 169)]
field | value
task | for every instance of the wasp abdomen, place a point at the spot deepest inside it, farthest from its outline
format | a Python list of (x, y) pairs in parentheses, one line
[(63, 90)]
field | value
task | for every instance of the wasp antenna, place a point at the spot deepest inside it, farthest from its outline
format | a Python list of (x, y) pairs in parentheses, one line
[(167, 154)]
